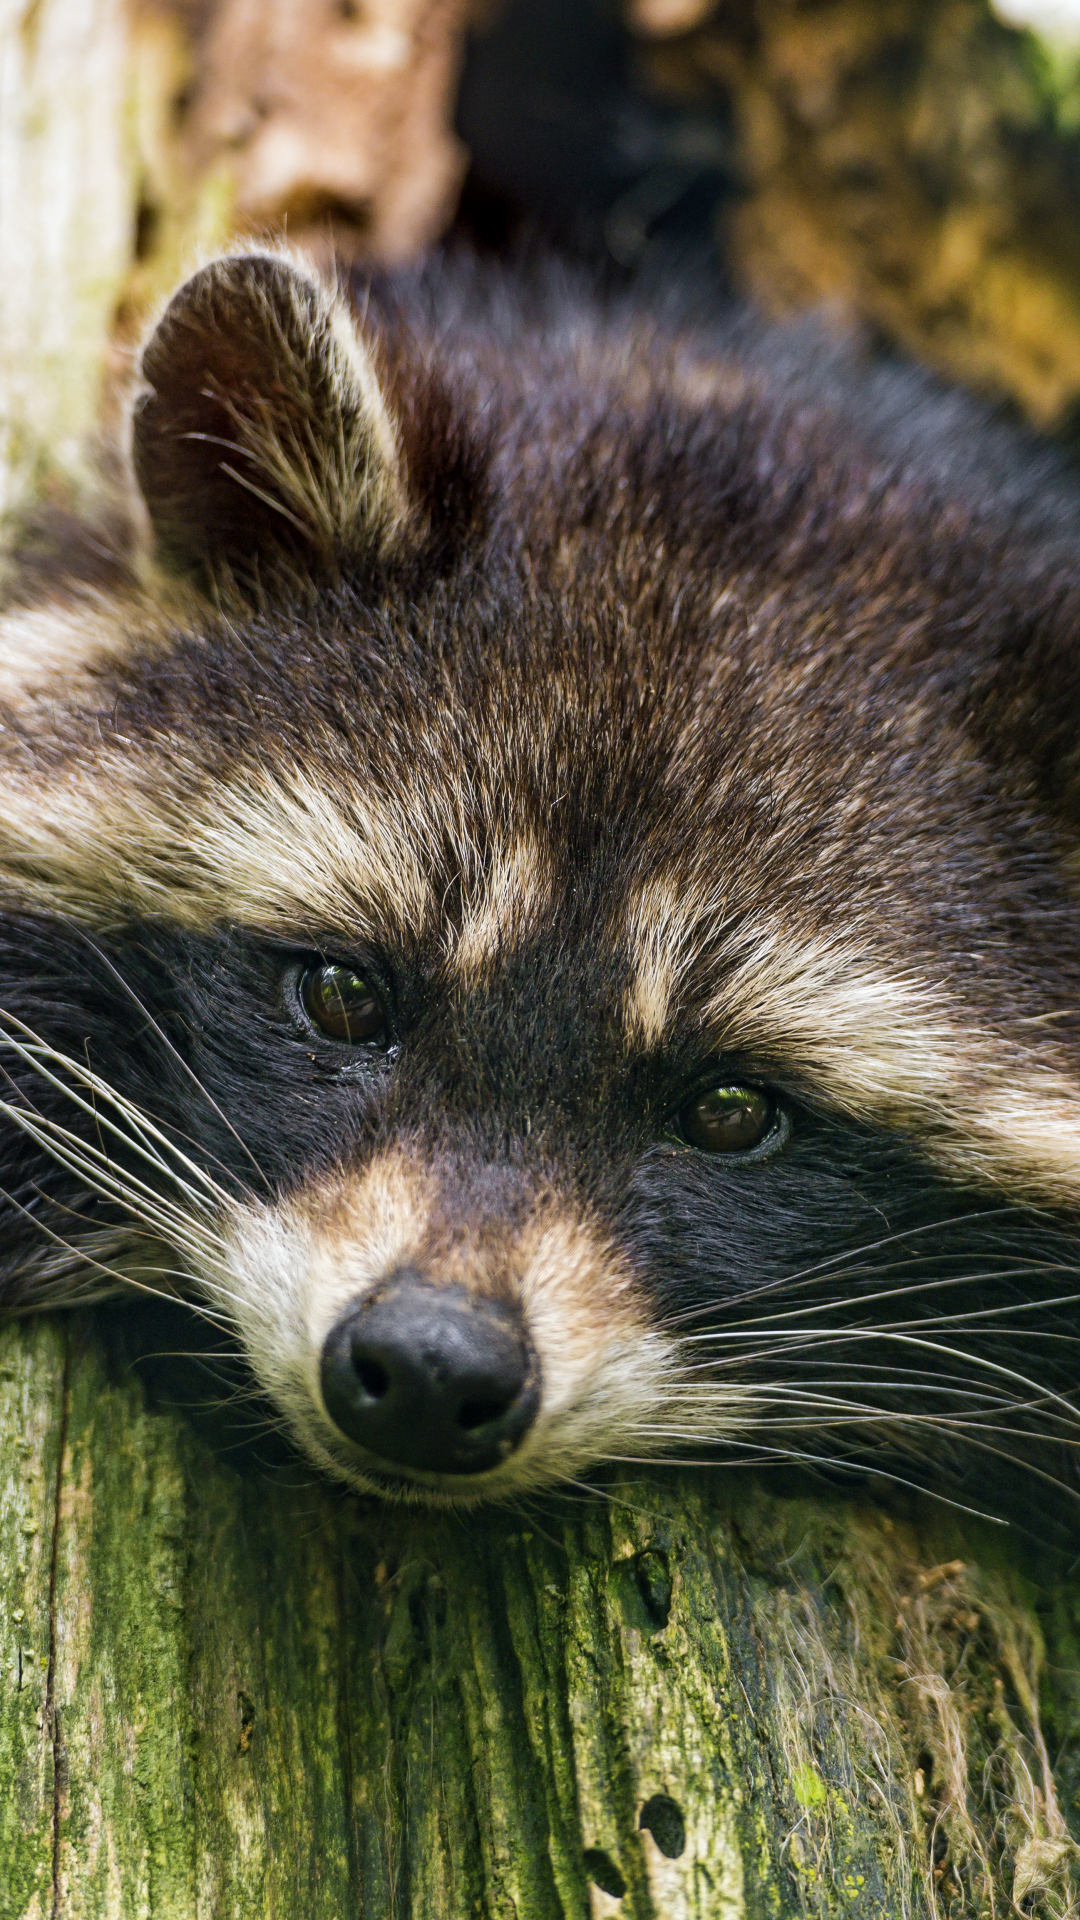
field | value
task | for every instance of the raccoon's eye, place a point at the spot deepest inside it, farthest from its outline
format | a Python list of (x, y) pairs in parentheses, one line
[(727, 1120), (343, 1004)]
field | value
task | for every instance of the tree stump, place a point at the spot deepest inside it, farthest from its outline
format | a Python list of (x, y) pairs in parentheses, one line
[(230, 1688)]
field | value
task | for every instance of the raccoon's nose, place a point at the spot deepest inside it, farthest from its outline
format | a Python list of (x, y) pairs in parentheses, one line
[(425, 1377)]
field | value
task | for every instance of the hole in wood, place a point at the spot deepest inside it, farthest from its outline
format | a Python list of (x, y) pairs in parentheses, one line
[(653, 1576), (147, 228), (662, 1817), (245, 1707), (603, 1872)]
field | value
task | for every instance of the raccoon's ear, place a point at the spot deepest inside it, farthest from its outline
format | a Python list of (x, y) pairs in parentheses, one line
[(262, 440)]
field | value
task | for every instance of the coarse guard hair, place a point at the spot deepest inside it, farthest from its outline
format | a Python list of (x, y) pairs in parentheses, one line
[(538, 886)]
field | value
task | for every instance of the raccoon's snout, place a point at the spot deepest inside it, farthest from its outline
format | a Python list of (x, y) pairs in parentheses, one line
[(427, 1378)]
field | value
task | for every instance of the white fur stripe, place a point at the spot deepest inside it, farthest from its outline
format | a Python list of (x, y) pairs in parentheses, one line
[(47, 649), (268, 849), (885, 1045), (891, 1047), (514, 898)]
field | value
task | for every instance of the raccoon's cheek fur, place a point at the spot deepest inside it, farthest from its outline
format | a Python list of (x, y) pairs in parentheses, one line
[(414, 1356)]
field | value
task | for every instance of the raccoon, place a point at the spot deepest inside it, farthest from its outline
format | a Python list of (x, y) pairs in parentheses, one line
[(539, 887)]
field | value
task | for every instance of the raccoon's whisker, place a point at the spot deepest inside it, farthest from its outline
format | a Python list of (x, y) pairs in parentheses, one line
[(1033, 1333), (198, 1307), (235, 1399), (829, 1396), (192, 1299), (989, 1315), (586, 1488), (724, 1355), (184, 1065), (39, 1125), (126, 1281), (527, 1511), (194, 1293), (772, 1456), (139, 1199), (973, 1441), (802, 1353), (222, 1365), (805, 1275), (813, 1404), (980, 1362), (838, 1414), (164, 1223), (969, 1359), (953, 1396), (37, 1051), (743, 1327), (229, 1396), (880, 1378), (255, 1430), (734, 1357), (675, 1323), (184, 1274), (856, 1272), (120, 1179), (968, 1429), (825, 1393)]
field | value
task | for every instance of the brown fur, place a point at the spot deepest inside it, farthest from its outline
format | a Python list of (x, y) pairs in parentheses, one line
[(511, 635)]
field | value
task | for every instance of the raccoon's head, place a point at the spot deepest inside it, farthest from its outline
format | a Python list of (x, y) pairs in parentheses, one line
[(555, 920)]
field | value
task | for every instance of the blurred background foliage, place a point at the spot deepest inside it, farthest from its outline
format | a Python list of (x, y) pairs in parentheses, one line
[(910, 166)]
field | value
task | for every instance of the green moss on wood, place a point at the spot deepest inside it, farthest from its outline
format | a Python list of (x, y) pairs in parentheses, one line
[(231, 1690)]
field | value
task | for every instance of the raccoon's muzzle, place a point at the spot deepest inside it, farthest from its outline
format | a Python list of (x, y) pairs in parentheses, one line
[(425, 1378)]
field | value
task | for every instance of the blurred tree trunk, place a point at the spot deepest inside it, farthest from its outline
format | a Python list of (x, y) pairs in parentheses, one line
[(913, 165), (228, 1689), (136, 135)]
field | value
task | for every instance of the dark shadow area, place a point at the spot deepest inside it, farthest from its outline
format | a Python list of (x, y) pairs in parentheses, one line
[(569, 143), (189, 1367)]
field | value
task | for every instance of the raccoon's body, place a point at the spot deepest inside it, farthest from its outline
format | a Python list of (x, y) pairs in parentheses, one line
[(555, 911)]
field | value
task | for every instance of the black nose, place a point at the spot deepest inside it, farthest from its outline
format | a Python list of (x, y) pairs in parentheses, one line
[(425, 1377)]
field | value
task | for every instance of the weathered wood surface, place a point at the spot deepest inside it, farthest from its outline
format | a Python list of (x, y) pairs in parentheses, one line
[(230, 1689)]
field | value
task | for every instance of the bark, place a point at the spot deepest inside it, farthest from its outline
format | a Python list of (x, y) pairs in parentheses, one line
[(231, 1689), (226, 1687)]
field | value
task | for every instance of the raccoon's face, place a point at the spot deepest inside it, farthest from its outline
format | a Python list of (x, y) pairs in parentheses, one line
[(557, 924)]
